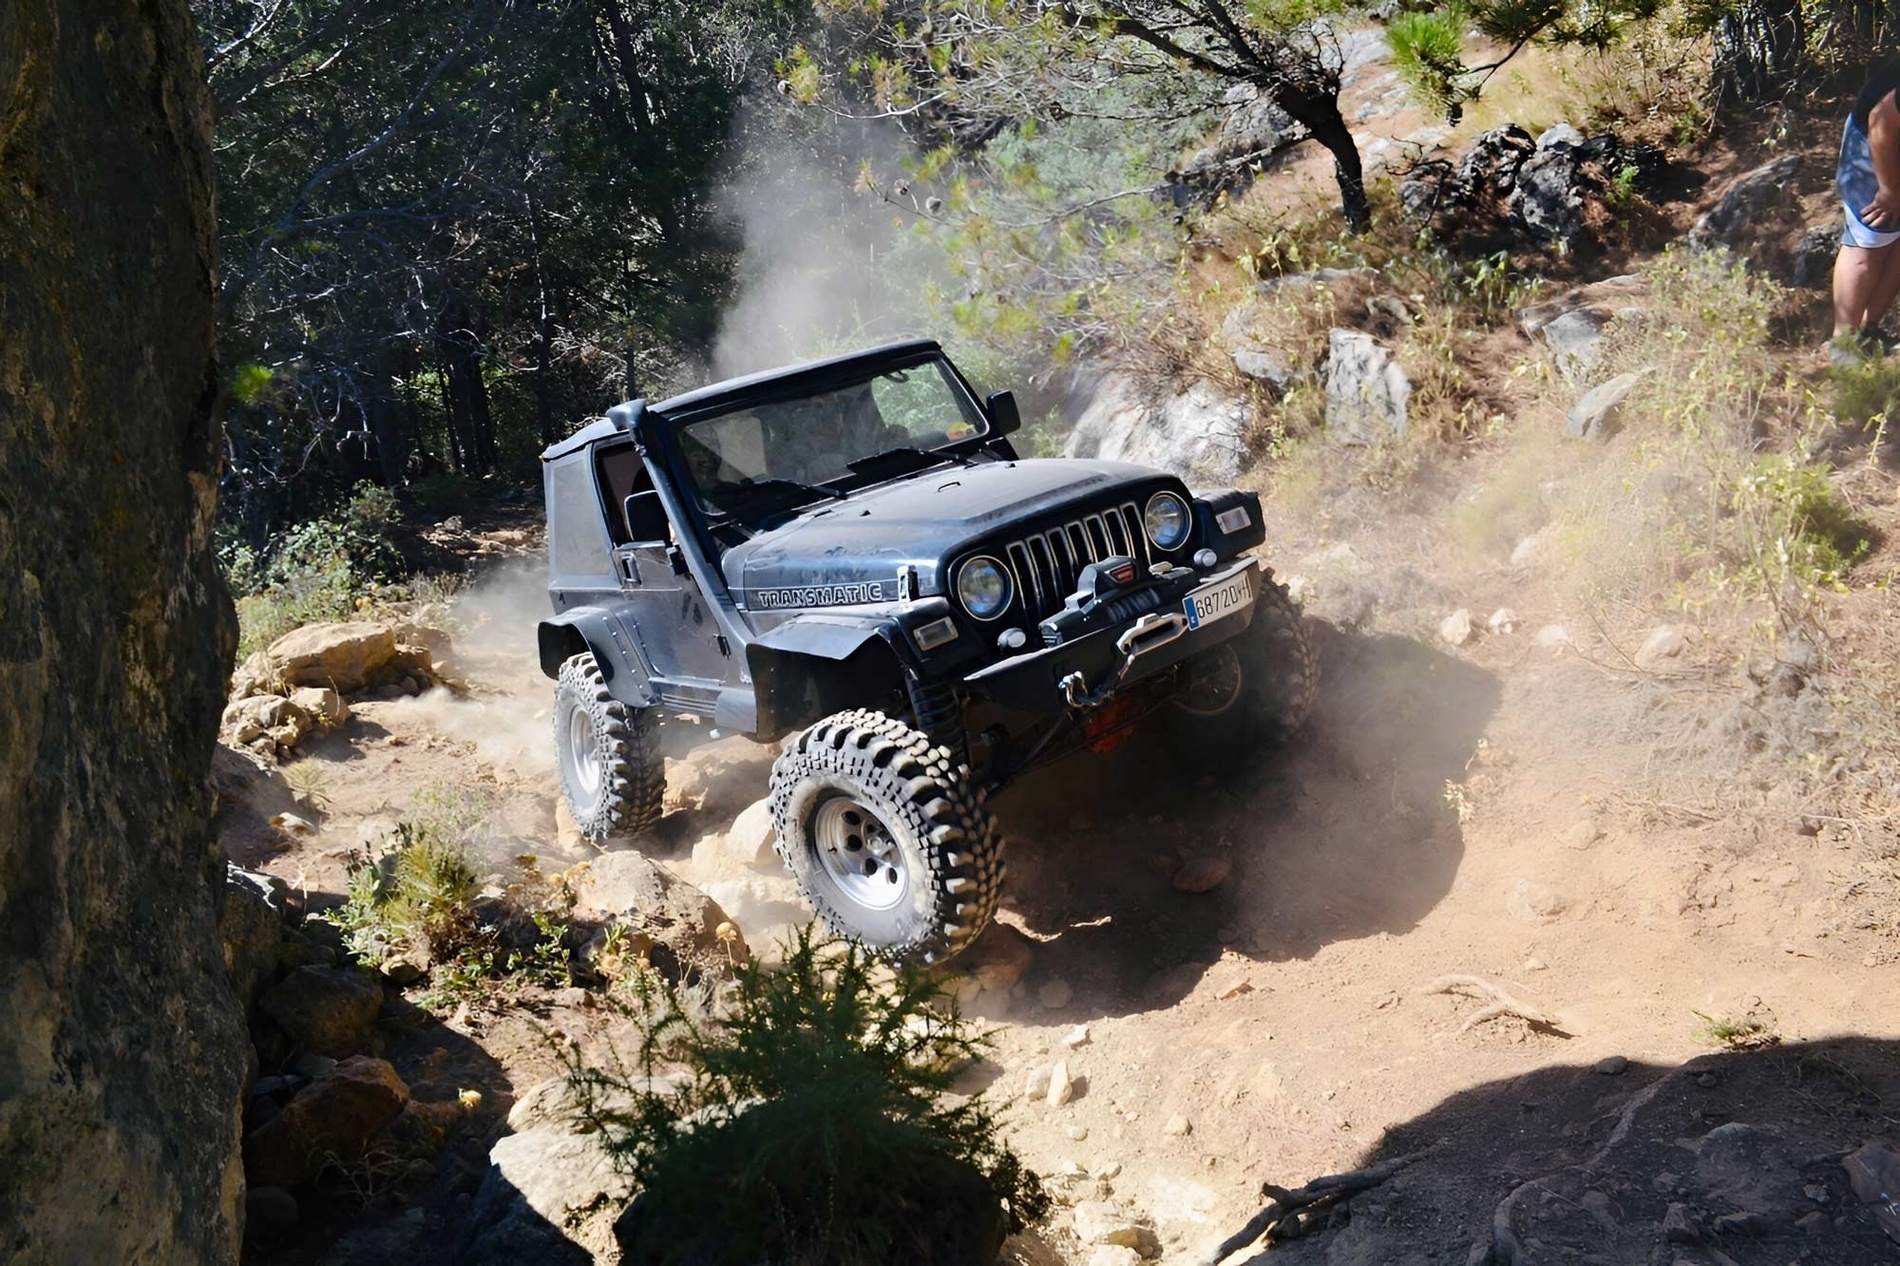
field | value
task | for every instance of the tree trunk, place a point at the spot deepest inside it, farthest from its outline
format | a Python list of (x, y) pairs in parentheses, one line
[(122, 1049), (1759, 47), (1321, 117)]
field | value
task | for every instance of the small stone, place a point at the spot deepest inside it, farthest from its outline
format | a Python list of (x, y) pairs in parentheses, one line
[(1055, 994), (1202, 874), (573, 996), (1708, 1081), (292, 824), (1815, 1192), (1234, 989), (1665, 642), (1106, 1170), (1534, 964), (1552, 636), (1077, 1036), (1177, 1127), (1036, 1084), (1113, 1255), (1813, 1222), (999, 958), (1061, 1089), (1078, 1133), (1611, 1066), (269, 1212), (1455, 628), (1874, 1171), (1503, 621), (1679, 1226), (1535, 902), (1580, 835)]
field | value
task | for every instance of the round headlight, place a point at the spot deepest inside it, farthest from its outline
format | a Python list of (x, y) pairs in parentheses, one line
[(983, 587), (1167, 520)]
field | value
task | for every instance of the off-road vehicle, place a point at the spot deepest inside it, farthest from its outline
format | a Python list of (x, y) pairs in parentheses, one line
[(852, 552)]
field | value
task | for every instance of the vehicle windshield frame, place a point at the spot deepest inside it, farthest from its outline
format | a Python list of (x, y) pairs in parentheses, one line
[(797, 390)]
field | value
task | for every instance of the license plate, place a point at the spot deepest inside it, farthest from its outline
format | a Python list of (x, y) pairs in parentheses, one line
[(1222, 598)]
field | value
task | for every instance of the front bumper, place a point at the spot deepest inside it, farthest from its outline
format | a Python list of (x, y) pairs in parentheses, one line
[(1088, 670)]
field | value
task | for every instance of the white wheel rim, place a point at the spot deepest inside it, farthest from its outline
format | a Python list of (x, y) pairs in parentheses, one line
[(1214, 683), (582, 756), (859, 855)]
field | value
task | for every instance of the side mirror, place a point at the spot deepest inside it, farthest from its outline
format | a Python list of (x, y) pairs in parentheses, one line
[(646, 519), (1005, 417)]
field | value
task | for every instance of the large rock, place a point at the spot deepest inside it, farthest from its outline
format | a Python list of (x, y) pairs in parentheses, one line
[(1575, 340), (1489, 169), (1750, 200), (1622, 293), (544, 1187), (122, 1047), (1366, 390), (332, 1120), (1546, 202), (251, 928), (324, 1010), (347, 658), (1595, 416), (668, 917), (1199, 434)]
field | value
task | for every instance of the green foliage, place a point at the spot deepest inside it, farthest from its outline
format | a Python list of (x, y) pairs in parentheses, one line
[(1428, 52), (810, 1124), (318, 570), (1795, 523), (412, 895)]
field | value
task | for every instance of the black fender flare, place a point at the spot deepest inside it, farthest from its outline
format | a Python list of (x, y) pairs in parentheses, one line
[(610, 638), (781, 660)]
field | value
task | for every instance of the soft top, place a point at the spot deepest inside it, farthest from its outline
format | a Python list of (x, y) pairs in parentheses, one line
[(769, 384)]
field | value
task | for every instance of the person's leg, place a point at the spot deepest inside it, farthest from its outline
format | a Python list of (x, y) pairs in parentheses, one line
[(1858, 274), (1886, 286)]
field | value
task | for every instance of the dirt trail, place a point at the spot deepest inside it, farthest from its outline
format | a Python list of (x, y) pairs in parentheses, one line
[(1445, 812)]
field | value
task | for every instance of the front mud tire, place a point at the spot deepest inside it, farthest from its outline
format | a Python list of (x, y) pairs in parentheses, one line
[(1278, 671), (613, 776), (889, 841)]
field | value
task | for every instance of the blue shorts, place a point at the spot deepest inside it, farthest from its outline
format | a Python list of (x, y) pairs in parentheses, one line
[(1854, 233), (1854, 177)]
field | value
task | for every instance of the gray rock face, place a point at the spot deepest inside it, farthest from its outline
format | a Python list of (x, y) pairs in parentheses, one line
[(1811, 263), (250, 928), (1366, 390), (538, 1182), (1749, 199), (1594, 416), (1198, 434), (122, 1045), (1547, 198), (1575, 340), (324, 1010), (662, 911), (1490, 165), (1266, 367)]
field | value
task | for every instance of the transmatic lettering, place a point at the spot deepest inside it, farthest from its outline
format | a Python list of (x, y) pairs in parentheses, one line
[(819, 595)]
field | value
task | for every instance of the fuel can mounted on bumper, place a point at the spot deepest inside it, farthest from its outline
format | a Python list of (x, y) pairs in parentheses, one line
[(1114, 632)]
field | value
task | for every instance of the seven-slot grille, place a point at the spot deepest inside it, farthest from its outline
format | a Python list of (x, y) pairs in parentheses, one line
[(1047, 566)]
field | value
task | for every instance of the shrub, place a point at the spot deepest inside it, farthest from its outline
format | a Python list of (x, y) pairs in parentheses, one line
[(811, 1124), (412, 896), (315, 571)]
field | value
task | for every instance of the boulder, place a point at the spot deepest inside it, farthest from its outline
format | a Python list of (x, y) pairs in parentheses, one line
[(1611, 295), (1546, 202), (269, 1213), (1811, 260), (999, 958), (1366, 391), (262, 716), (1575, 340), (1253, 131), (331, 1120), (241, 777), (1594, 416), (668, 917), (541, 1187), (257, 675), (1666, 642), (324, 1010), (1199, 434), (347, 658), (323, 706), (250, 927), (1750, 200), (1455, 629), (751, 839), (1490, 165), (1267, 367), (1202, 874)]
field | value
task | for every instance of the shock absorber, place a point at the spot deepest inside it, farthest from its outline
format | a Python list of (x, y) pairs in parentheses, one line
[(939, 714)]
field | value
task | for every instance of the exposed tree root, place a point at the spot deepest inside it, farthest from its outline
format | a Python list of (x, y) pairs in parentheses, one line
[(1502, 1002), (1292, 1214)]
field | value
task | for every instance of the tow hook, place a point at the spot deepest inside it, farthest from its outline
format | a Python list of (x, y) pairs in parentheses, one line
[(1151, 632)]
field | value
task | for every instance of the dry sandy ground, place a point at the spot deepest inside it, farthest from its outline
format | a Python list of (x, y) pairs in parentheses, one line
[(1469, 811)]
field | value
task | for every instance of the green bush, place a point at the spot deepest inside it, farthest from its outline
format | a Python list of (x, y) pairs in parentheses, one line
[(412, 896), (1795, 523), (813, 1123), (315, 571)]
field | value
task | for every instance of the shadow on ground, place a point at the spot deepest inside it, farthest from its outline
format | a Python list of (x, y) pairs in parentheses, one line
[(1733, 1157), (1344, 833)]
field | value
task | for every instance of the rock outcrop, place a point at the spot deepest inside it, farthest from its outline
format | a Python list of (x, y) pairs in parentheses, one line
[(295, 688), (667, 920), (1199, 433), (122, 1050), (1366, 390)]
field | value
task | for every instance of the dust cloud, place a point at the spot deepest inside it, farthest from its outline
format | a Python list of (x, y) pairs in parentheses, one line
[(507, 718), (826, 266)]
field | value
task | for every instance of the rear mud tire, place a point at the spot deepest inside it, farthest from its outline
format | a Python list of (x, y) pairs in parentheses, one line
[(888, 839), (1279, 673), (613, 776)]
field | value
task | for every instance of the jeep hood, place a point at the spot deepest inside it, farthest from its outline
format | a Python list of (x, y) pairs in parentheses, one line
[(851, 551)]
